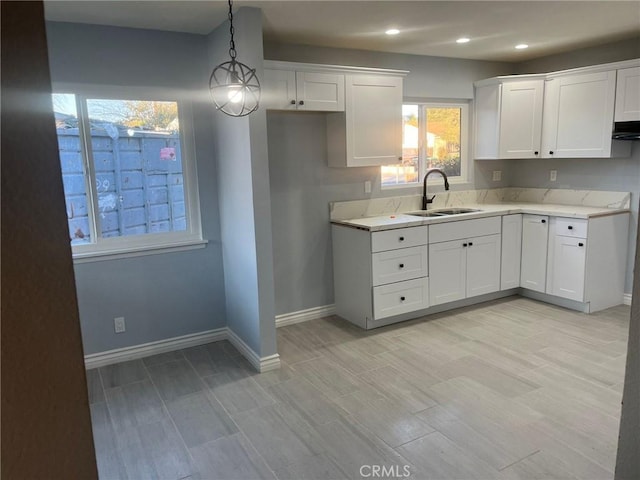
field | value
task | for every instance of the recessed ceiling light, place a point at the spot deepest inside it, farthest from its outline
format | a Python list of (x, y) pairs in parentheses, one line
[(392, 31), (463, 40), (522, 46)]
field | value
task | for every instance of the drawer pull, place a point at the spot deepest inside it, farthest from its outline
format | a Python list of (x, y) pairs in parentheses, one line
[(401, 239), (570, 227), (401, 265), (581, 244), (402, 299), (471, 244), (464, 244)]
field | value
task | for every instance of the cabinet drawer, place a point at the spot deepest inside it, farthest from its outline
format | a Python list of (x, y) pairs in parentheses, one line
[(398, 265), (401, 297), (399, 238), (445, 232), (571, 227)]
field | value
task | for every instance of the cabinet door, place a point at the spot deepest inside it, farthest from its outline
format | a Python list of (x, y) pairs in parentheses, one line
[(483, 265), (279, 90), (578, 115), (511, 251), (533, 267), (373, 120), (447, 272), (567, 271), (521, 119), (322, 92), (628, 95)]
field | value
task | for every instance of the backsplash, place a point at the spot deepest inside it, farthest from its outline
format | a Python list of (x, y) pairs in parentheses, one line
[(388, 205)]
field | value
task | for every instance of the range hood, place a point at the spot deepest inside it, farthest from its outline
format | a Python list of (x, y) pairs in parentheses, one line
[(626, 131)]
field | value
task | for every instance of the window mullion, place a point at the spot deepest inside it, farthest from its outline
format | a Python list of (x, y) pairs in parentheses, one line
[(422, 141), (90, 176)]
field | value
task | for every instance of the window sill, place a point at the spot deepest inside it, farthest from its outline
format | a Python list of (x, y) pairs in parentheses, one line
[(437, 181), (130, 252)]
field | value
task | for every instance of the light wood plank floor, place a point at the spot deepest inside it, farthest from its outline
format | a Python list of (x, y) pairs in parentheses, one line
[(511, 389)]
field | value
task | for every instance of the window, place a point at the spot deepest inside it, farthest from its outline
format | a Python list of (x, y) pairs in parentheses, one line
[(129, 183), (433, 136)]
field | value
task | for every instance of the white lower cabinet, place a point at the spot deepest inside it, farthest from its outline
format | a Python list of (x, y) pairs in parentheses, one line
[(511, 251), (533, 265), (383, 277), (586, 261), (448, 268), (464, 268), (483, 265), (379, 274), (463, 265), (568, 268)]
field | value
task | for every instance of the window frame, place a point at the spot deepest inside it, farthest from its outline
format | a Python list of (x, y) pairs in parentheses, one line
[(105, 248), (465, 176)]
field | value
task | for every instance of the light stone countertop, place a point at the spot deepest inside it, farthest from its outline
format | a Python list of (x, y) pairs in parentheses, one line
[(402, 219)]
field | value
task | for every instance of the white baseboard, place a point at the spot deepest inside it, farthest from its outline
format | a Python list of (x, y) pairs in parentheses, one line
[(153, 348), (305, 315), (626, 299), (262, 364)]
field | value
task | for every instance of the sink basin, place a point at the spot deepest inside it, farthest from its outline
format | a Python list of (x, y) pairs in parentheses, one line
[(443, 212), (427, 214), (456, 211)]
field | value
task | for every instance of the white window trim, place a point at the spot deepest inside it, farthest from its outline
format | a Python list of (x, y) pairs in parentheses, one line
[(466, 171), (148, 243)]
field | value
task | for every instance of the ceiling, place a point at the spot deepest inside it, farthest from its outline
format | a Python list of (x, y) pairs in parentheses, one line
[(427, 27)]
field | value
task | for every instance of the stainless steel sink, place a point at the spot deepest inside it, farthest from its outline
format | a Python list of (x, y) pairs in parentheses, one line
[(443, 212), (428, 213), (456, 211)]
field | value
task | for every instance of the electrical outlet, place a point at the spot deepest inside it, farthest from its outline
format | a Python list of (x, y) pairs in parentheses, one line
[(367, 187), (119, 325), (497, 175), (553, 175)]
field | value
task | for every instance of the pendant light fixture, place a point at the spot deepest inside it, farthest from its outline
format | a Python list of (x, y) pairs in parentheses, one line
[(234, 87)]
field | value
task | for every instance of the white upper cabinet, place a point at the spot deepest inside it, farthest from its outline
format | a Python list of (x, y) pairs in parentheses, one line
[(509, 118), (295, 90), (578, 115), (370, 132), (628, 95), (567, 114)]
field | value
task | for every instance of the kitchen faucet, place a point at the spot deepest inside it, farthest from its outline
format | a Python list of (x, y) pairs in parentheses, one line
[(425, 200)]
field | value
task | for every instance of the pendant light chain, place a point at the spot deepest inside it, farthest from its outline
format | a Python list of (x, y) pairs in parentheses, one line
[(232, 43)]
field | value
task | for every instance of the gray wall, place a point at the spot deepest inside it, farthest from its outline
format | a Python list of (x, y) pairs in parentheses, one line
[(610, 52), (164, 295), (243, 192), (302, 185)]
